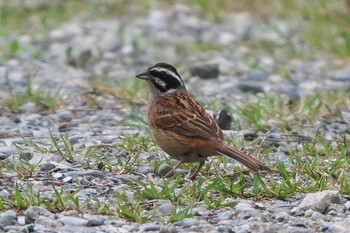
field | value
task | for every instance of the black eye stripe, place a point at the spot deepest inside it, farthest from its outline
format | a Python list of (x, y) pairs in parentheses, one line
[(170, 81)]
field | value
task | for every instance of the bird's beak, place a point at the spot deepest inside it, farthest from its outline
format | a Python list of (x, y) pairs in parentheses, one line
[(143, 75)]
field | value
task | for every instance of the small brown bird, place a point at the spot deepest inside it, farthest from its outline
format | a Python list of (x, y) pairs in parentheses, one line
[(181, 126)]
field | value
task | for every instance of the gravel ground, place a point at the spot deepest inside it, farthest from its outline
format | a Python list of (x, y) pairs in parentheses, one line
[(79, 54)]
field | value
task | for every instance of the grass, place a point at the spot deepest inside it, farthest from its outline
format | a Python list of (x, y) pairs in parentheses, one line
[(43, 99), (316, 164), (286, 113), (324, 25)]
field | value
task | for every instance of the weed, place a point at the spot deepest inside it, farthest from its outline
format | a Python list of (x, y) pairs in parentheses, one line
[(43, 98)]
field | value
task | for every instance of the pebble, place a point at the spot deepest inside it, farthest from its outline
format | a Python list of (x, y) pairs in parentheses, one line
[(342, 75), (256, 75), (282, 216), (319, 201), (73, 221), (34, 212), (94, 173), (5, 152), (205, 70), (45, 167), (8, 218), (149, 227), (224, 119), (164, 169), (97, 221), (167, 208), (253, 87)]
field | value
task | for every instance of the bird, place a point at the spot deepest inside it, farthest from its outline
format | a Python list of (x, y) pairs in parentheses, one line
[(181, 126)]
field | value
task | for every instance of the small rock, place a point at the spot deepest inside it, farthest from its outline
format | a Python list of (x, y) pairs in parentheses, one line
[(347, 205), (45, 167), (26, 156), (257, 75), (16, 229), (73, 221), (34, 212), (319, 201), (342, 75), (67, 179), (317, 216), (98, 221), (249, 135), (6, 152), (308, 213), (8, 218), (206, 70), (167, 208), (282, 216), (253, 87), (149, 227), (224, 120), (188, 222), (64, 116), (94, 173), (145, 170), (164, 169), (224, 215)]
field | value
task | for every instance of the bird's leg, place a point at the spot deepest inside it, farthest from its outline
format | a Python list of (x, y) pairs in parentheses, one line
[(170, 173), (201, 163)]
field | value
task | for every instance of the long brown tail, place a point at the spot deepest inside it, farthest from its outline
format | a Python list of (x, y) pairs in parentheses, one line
[(243, 158)]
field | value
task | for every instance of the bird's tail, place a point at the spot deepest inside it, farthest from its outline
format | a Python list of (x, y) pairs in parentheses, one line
[(243, 158)]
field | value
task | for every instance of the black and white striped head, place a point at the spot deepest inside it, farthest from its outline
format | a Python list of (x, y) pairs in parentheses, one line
[(163, 79)]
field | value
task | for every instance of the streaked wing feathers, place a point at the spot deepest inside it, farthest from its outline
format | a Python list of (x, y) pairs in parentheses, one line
[(183, 115)]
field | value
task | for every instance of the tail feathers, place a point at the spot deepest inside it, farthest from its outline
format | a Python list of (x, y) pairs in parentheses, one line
[(243, 158)]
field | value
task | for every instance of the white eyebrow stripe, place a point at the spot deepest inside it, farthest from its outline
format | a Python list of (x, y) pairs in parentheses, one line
[(169, 72)]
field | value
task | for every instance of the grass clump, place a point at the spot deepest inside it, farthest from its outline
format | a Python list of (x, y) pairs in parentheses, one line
[(44, 99)]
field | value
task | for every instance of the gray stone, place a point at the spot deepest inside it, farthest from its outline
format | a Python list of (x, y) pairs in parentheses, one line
[(64, 116), (206, 70), (8, 218), (47, 166), (292, 91), (347, 205), (308, 213), (282, 216), (16, 229), (342, 226), (317, 216), (6, 152), (188, 222), (224, 119), (256, 75), (34, 212), (149, 227), (164, 169), (342, 75), (167, 208), (224, 215), (96, 221), (94, 173), (319, 201), (253, 87), (73, 221), (29, 107)]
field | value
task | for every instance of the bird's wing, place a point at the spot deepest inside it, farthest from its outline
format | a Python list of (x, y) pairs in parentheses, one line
[(181, 114)]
